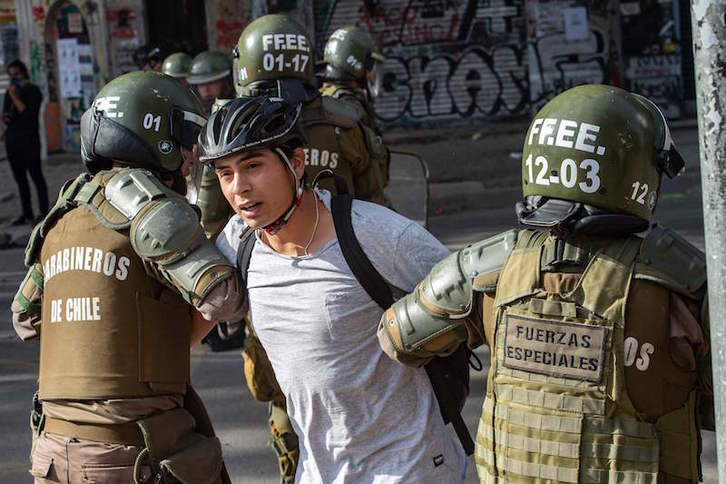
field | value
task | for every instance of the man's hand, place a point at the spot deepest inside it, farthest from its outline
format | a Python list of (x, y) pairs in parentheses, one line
[(200, 327), (14, 92)]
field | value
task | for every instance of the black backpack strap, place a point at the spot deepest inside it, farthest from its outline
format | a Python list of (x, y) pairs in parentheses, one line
[(244, 252), (445, 374), (368, 277), (442, 372)]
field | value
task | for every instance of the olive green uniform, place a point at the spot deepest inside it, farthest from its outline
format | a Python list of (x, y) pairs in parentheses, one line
[(115, 267), (354, 96), (590, 338), (600, 367), (115, 332)]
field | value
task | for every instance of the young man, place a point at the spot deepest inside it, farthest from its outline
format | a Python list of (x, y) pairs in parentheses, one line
[(22, 139), (346, 400)]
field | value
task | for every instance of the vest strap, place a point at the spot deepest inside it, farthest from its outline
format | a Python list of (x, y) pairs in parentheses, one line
[(126, 434), (552, 401), (86, 193)]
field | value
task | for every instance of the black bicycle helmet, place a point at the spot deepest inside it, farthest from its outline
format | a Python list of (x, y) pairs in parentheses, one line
[(251, 123)]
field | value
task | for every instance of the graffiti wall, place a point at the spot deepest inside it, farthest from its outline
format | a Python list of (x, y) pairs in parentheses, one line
[(125, 32), (226, 19), (445, 60), (571, 43), (652, 52)]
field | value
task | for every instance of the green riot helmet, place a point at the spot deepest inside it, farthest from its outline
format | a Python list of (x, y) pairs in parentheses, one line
[(593, 159), (141, 119), (209, 66), (273, 48), (177, 65), (350, 54)]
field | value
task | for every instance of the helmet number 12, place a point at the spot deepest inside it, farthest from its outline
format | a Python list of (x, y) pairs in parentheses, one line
[(567, 174), (639, 197)]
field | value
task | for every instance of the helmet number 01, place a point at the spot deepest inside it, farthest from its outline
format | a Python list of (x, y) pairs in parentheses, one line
[(270, 62), (568, 173), (151, 121)]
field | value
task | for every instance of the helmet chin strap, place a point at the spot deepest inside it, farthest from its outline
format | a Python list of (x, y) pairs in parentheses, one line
[(275, 226)]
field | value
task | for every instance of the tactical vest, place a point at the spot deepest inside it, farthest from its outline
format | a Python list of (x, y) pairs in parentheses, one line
[(109, 330), (330, 124), (557, 409)]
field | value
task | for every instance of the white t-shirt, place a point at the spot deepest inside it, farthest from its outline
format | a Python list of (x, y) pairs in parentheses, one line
[(361, 417)]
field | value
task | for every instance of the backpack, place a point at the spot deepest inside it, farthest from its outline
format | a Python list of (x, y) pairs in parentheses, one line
[(449, 375)]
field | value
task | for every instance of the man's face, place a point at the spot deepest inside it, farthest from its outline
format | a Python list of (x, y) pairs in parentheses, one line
[(211, 90), (256, 184), (15, 73)]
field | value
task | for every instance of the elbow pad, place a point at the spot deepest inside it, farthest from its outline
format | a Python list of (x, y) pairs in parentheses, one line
[(430, 320), (165, 230)]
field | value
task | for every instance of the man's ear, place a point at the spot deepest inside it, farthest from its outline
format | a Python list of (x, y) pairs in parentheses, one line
[(298, 162)]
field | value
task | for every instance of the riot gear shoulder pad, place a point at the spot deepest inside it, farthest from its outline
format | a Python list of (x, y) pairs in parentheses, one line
[(668, 259), (130, 191), (165, 229), (432, 317), (331, 111), (448, 287)]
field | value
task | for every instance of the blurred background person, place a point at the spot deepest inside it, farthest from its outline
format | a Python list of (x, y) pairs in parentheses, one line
[(22, 139)]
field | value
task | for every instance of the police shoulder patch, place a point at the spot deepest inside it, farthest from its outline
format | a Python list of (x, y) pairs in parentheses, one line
[(668, 259)]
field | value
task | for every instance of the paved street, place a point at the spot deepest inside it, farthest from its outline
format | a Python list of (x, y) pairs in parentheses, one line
[(240, 421)]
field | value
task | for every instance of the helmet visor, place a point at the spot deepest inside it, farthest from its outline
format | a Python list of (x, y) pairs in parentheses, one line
[(375, 79), (185, 127)]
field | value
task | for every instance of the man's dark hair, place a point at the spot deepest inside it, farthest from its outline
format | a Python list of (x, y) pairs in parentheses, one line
[(21, 66)]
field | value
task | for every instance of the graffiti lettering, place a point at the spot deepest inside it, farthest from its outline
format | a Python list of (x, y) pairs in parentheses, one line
[(444, 60), (476, 83)]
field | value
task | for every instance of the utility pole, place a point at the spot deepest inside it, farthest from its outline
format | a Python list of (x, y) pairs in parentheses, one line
[(709, 54)]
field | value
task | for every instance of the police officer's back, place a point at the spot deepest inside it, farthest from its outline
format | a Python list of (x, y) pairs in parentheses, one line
[(275, 55), (352, 70), (115, 269), (600, 369)]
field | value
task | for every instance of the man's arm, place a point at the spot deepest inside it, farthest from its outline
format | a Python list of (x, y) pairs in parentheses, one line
[(165, 231), (445, 309), (26, 306)]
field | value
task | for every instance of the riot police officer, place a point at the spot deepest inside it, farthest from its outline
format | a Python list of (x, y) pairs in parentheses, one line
[(116, 269), (275, 55), (211, 76), (600, 366), (177, 65), (353, 73), (352, 70)]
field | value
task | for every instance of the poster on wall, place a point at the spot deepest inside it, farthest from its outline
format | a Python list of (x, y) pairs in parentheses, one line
[(85, 70), (652, 53), (68, 68), (576, 23)]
